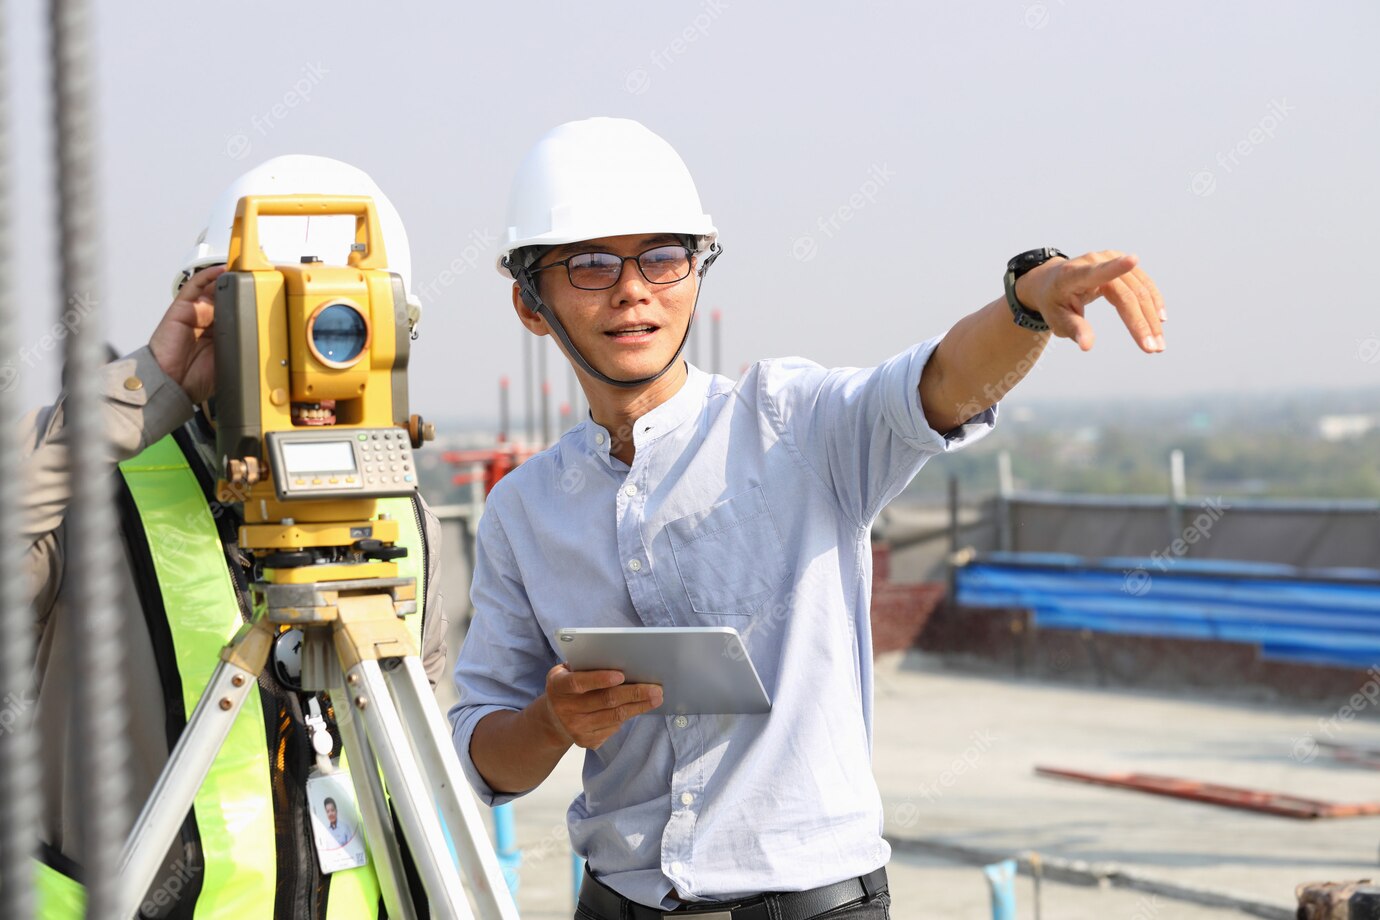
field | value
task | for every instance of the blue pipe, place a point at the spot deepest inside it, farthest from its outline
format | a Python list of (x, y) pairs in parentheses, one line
[(505, 842), (1001, 879)]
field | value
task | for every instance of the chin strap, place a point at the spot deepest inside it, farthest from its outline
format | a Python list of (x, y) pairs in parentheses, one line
[(527, 289)]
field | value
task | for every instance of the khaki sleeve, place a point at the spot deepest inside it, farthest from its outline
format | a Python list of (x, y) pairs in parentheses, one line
[(142, 404), (435, 628)]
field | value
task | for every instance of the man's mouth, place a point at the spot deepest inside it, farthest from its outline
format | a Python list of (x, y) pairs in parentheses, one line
[(318, 413), (632, 332)]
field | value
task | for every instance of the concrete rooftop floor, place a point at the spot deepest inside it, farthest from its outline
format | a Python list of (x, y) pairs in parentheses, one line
[(954, 757)]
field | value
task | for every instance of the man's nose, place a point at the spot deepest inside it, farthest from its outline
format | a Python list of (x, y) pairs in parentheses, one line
[(631, 286)]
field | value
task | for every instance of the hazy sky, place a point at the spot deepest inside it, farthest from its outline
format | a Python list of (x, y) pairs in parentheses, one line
[(1232, 145)]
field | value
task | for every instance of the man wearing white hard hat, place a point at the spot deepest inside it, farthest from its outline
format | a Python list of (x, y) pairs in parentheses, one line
[(245, 849), (688, 499)]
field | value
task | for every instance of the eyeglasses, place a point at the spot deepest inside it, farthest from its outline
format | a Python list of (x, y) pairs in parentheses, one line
[(599, 271)]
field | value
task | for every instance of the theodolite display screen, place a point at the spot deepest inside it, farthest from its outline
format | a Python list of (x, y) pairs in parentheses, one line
[(319, 457), (366, 463)]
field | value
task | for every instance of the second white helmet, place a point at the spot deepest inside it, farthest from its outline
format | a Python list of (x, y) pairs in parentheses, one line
[(288, 239)]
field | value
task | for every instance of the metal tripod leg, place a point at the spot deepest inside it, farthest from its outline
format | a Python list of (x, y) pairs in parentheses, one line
[(407, 785), (421, 770), (441, 766), (373, 807), (234, 678)]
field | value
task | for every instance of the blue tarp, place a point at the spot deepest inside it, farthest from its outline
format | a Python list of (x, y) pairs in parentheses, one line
[(1316, 617)]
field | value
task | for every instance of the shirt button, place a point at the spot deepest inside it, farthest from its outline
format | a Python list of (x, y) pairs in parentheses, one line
[(682, 721), (677, 868), (599, 438), (686, 798), (133, 383), (630, 490), (635, 565)]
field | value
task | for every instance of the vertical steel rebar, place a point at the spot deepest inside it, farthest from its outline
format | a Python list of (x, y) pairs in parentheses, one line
[(100, 718), (19, 773), (1178, 494), (1006, 488), (955, 538), (716, 343), (692, 352), (529, 390)]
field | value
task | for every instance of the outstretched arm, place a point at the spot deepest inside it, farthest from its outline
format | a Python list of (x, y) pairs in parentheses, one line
[(985, 354)]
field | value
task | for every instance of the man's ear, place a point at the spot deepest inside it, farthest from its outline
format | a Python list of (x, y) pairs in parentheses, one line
[(526, 315)]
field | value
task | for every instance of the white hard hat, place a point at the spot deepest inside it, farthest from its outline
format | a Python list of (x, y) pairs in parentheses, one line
[(288, 239), (601, 177)]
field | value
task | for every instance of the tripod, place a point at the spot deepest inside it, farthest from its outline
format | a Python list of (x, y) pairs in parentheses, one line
[(355, 646)]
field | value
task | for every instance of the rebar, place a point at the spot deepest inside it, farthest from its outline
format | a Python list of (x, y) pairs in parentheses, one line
[(100, 718)]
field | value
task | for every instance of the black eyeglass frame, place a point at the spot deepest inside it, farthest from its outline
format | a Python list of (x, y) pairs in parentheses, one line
[(623, 260)]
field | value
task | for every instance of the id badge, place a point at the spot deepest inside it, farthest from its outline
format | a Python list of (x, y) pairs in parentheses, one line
[(335, 822)]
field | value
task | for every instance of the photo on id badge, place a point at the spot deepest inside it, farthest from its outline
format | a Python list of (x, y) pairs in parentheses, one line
[(335, 822)]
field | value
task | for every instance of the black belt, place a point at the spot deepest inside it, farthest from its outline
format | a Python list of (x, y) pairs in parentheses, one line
[(788, 905)]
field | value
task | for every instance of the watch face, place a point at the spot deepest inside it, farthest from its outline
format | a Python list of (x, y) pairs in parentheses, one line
[(1032, 258)]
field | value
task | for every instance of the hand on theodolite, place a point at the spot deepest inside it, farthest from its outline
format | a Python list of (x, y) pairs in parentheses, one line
[(182, 344)]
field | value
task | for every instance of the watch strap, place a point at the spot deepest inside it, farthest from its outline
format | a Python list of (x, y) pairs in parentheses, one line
[(1023, 316)]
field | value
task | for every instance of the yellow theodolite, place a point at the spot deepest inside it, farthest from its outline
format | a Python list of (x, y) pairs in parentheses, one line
[(312, 429), (312, 416)]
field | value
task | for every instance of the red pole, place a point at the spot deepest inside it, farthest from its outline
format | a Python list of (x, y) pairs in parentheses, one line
[(503, 410)]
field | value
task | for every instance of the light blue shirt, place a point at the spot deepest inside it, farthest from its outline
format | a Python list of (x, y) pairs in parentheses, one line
[(342, 833), (747, 505)]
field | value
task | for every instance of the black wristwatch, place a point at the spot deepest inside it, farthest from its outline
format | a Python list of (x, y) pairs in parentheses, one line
[(1025, 317)]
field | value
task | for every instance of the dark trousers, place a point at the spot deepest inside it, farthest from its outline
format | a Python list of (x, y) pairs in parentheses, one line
[(876, 908)]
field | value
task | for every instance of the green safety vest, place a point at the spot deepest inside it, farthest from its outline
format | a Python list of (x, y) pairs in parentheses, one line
[(233, 809)]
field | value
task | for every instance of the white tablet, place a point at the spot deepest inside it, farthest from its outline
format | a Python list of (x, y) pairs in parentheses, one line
[(701, 669)]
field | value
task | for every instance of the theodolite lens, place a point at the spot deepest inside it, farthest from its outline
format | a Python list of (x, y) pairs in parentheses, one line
[(339, 334)]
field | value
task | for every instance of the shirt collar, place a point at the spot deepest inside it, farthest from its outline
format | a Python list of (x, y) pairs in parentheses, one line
[(665, 418)]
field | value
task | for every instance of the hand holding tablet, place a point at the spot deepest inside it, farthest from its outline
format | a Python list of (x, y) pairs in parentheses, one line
[(587, 707), (700, 669)]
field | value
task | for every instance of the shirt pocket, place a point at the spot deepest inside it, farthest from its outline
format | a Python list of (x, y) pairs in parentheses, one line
[(729, 556)]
